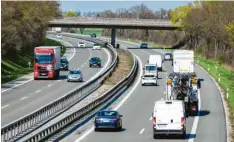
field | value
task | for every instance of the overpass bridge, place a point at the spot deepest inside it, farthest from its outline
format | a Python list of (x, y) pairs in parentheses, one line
[(113, 24)]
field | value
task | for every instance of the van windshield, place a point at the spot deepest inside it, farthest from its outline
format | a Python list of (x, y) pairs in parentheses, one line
[(150, 68)]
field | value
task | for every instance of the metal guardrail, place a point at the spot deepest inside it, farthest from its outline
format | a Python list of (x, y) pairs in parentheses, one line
[(32, 121), (103, 100)]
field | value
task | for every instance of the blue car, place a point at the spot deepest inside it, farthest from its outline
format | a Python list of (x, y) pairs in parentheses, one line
[(108, 119), (95, 61), (144, 45)]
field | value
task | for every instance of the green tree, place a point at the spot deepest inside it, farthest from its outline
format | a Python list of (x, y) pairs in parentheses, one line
[(70, 14)]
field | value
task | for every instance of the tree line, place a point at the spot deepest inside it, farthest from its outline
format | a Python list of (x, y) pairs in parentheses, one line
[(206, 27), (24, 24), (209, 28)]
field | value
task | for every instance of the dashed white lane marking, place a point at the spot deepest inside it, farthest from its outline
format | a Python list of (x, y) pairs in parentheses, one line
[(142, 130), (38, 91), (49, 85), (150, 118), (58, 80), (23, 98), (5, 106)]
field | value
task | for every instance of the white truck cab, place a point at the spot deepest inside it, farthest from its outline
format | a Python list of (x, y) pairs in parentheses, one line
[(157, 60), (169, 118), (149, 79), (151, 68)]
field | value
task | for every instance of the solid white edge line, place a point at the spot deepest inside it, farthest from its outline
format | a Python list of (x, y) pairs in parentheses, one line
[(32, 73), (85, 134), (5, 106), (38, 91), (49, 85), (142, 130), (150, 118)]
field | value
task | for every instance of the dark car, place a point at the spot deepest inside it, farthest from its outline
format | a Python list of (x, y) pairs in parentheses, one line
[(108, 119), (95, 61), (168, 57), (93, 35), (64, 63), (144, 45)]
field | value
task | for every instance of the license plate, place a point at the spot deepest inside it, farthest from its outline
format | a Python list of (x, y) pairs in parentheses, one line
[(43, 73), (105, 120), (162, 125)]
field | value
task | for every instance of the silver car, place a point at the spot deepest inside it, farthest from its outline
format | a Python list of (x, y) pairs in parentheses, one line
[(75, 75)]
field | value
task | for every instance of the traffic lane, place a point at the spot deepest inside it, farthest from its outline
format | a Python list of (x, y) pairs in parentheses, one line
[(22, 107), (136, 111), (35, 86), (211, 126), (211, 112)]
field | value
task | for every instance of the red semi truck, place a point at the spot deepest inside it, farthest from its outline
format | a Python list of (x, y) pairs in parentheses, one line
[(47, 62)]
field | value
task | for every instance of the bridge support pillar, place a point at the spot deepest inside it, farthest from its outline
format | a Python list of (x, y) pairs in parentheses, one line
[(113, 36)]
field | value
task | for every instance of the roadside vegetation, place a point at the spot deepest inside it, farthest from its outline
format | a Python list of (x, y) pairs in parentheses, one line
[(87, 31), (23, 27)]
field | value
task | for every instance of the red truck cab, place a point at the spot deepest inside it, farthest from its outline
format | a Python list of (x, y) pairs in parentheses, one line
[(46, 62)]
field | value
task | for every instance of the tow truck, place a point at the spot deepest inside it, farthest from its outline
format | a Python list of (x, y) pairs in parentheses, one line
[(185, 87)]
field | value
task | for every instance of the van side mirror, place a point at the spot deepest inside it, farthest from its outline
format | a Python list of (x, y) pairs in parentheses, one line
[(147, 61), (120, 115), (152, 114), (143, 68)]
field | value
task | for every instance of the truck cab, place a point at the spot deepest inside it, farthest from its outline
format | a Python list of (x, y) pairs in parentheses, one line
[(47, 62), (169, 118)]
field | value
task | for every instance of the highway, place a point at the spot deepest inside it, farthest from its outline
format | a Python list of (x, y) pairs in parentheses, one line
[(137, 110), (20, 101)]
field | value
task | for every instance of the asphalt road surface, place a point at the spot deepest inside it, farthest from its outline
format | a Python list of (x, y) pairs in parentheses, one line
[(20, 101), (137, 111)]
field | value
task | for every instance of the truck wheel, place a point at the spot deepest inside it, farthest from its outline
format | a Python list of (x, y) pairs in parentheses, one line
[(35, 78), (90, 66), (183, 136)]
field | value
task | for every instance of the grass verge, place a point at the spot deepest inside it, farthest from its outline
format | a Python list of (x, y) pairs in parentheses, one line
[(14, 68), (90, 31), (121, 71)]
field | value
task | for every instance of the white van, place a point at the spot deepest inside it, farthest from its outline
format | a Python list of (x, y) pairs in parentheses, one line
[(151, 68), (169, 118), (156, 59)]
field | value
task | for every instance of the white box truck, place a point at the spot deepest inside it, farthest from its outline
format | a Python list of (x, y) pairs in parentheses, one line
[(183, 61), (169, 117), (156, 60)]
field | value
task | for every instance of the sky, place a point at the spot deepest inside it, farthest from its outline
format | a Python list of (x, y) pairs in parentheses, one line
[(95, 6)]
